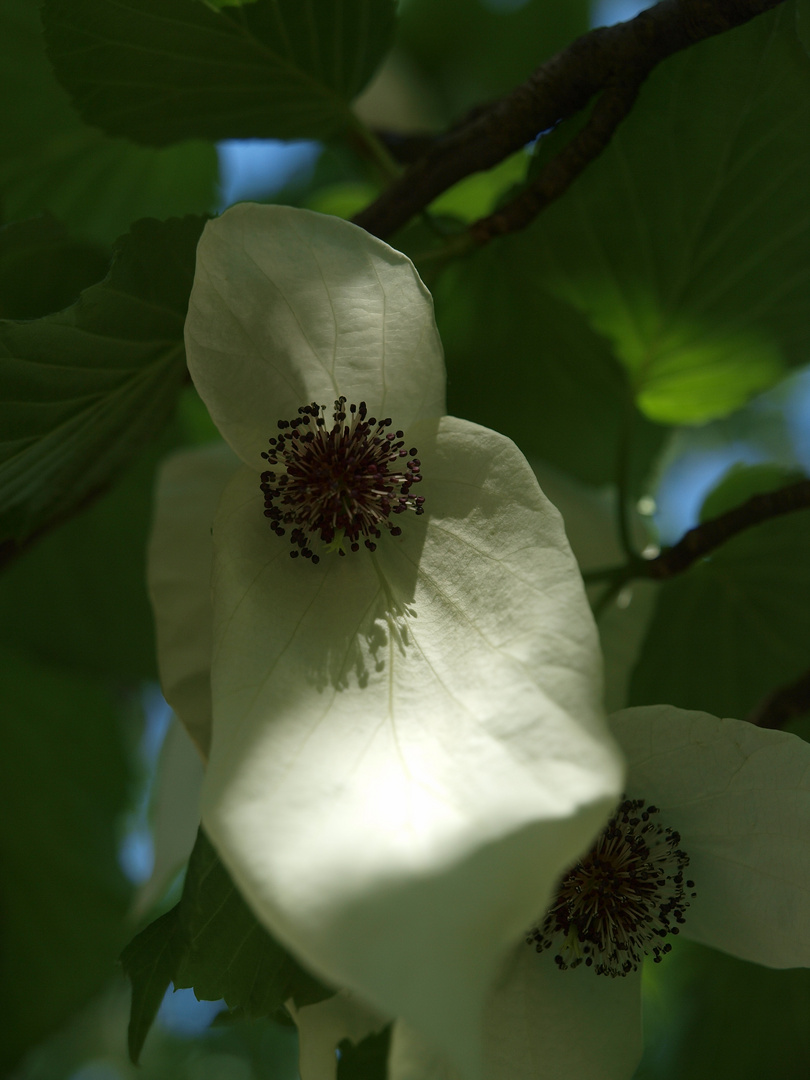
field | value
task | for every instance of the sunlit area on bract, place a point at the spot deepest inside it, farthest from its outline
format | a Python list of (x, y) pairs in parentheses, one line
[(405, 555)]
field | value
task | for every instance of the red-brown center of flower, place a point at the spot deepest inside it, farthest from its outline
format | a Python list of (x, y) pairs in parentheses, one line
[(618, 902), (340, 484)]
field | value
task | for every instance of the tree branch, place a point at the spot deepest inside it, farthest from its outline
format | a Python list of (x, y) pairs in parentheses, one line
[(610, 109), (703, 539), (614, 60)]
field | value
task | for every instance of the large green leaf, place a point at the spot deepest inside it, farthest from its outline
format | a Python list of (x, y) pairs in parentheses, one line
[(149, 961), (688, 242), (43, 269), (51, 160), (473, 50), (735, 626), (63, 602), (709, 1016), (528, 364), (83, 390), (64, 899), (803, 22), (227, 954), (366, 1060), (159, 71), (211, 941)]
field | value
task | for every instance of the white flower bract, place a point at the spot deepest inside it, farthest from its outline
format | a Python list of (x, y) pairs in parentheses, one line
[(740, 798), (406, 746)]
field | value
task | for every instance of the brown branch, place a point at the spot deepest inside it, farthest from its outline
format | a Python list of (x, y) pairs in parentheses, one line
[(705, 538), (615, 60), (610, 109), (783, 704)]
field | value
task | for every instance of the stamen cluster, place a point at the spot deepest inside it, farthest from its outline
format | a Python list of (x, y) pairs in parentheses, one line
[(617, 903), (341, 484)]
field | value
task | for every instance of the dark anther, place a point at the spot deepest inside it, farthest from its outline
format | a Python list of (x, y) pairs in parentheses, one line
[(340, 484)]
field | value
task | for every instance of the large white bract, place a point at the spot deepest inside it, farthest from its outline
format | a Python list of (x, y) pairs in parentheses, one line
[(406, 745)]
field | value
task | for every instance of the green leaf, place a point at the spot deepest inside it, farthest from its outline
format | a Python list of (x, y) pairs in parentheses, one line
[(687, 243), (710, 1016), (227, 953), (64, 779), (741, 482), (64, 604), (478, 194), (803, 22), (86, 388), (159, 71), (735, 626), (211, 941), (368, 1060), (50, 160), (149, 962), (472, 51), (528, 364), (43, 269), (216, 4)]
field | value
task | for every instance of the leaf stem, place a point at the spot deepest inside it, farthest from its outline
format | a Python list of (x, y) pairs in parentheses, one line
[(623, 462), (621, 575), (365, 142)]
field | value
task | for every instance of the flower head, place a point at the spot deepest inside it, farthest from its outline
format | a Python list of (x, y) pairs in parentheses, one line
[(622, 899), (404, 731), (740, 797), (342, 483)]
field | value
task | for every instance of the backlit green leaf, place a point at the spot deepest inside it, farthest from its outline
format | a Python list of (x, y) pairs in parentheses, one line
[(687, 243), (529, 364)]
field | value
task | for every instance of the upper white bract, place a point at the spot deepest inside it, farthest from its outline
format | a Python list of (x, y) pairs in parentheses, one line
[(407, 747)]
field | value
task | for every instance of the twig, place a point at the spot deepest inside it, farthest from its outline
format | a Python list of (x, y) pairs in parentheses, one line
[(704, 538), (554, 179), (369, 145), (613, 586), (623, 460), (614, 60), (783, 704)]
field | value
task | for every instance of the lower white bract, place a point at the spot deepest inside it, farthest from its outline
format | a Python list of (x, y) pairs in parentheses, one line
[(740, 798)]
